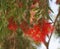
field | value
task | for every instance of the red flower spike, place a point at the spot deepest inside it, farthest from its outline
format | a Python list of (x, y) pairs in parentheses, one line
[(12, 26), (39, 31), (45, 26), (39, 37), (36, 33)]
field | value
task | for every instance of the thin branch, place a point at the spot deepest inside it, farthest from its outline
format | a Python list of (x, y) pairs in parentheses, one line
[(52, 33), (47, 43)]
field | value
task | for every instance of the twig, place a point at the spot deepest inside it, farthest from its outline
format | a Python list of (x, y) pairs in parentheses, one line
[(52, 33)]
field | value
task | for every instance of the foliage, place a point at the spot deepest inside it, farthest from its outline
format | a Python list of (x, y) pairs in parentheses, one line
[(13, 29)]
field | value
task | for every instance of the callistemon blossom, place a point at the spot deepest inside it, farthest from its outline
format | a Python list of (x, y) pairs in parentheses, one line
[(12, 25), (38, 31)]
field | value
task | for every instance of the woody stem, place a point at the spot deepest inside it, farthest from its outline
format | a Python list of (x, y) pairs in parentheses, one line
[(47, 43), (52, 33)]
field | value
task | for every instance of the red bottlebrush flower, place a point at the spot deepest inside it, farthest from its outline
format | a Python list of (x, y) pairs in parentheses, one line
[(40, 35), (45, 26), (36, 34), (12, 26), (39, 31)]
